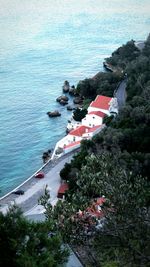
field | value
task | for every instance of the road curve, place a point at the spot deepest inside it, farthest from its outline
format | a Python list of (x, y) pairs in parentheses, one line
[(121, 93)]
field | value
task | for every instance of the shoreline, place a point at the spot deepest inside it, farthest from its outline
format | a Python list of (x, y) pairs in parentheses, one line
[(28, 179), (32, 182), (48, 164)]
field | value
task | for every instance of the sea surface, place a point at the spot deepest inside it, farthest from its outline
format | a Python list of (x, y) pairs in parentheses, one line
[(42, 44)]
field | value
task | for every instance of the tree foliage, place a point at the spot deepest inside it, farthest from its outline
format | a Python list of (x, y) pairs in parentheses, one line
[(103, 83), (28, 244), (124, 54), (79, 114)]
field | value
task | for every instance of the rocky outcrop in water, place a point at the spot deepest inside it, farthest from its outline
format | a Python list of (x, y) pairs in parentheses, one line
[(63, 100), (55, 113), (66, 87), (46, 156)]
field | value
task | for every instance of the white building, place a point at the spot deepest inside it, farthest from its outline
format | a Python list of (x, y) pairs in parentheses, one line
[(104, 104), (73, 139), (93, 118)]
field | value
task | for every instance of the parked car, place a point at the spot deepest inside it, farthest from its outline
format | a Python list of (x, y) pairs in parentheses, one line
[(40, 175), (18, 192)]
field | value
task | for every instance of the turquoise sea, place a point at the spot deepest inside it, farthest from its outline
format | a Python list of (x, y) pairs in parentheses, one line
[(43, 43)]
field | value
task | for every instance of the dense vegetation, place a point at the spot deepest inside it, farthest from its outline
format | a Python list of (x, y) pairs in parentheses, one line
[(28, 244), (123, 55), (79, 114), (116, 163), (102, 83)]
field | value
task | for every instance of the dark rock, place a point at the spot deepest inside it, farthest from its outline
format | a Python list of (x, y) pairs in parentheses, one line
[(66, 87), (55, 113), (78, 100), (46, 156), (70, 108), (58, 99), (62, 97), (63, 102)]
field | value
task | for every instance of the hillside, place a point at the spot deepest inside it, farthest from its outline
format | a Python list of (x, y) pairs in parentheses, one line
[(114, 164)]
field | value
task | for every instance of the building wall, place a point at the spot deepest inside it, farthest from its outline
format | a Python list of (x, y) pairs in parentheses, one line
[(73, 138), (69, 149), (92, 120), (67, 140), (91, 134)]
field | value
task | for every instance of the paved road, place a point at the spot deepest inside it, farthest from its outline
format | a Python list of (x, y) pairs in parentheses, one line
[(29, 201), (121, 93)]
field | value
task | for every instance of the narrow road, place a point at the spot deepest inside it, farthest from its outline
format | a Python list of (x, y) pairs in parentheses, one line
[(121, 93), (29, 201)]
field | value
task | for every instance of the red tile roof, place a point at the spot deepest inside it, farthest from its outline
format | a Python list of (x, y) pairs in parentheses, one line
[(79, 131), (97, 113), (100, 200), (63, 187), (93, 210), (101, 102)]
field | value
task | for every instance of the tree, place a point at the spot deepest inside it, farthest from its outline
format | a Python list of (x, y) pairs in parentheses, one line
[(64, 173), (87, 88), (125, 237), (79, 114), (28, 244)]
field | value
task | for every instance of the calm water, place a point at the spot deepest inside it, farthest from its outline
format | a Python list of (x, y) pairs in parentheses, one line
[(43, 43)]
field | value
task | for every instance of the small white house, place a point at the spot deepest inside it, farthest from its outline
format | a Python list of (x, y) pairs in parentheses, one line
[(101, 103), (94, 118)]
